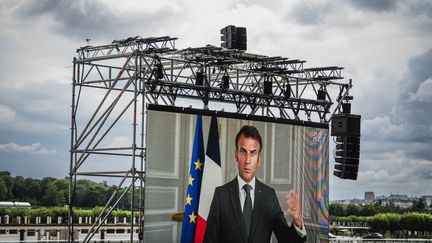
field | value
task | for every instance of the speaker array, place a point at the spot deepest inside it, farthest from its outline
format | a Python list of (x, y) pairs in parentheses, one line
[(234, 37), (346, 128)]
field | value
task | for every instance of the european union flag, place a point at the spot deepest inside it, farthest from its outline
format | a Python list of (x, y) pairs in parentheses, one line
[(194, 185)]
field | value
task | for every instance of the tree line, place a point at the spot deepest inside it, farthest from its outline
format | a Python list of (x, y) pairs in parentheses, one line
[(337, 209), (393, 225), (391, 220), (51, 192)]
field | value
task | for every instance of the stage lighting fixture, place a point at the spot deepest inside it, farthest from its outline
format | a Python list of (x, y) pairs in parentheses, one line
[(321, 94), (287, 92), (199, 78), (225, 81), (159, 71), (267, 86), (346, 108)]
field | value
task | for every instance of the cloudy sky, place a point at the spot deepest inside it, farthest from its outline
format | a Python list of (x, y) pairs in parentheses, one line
[(385, 47)]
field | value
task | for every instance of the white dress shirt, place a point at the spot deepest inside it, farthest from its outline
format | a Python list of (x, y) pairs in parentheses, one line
[(242, 195), (242, 191)]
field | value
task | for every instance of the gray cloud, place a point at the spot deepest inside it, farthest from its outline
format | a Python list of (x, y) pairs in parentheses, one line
[(398, 143), (410, 119), (414, 109), (311, 13), (423, 93), (420, 8), (423, 171), (29, 106), (419, 72), (34, 148), (91, 19), (376, 5), (79, 18)]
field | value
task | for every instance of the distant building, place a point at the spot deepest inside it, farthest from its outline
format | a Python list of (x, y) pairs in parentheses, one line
[(345, 201), (358, 202), (15, 205), (400, 200), (369, 197), (354, 201), (428, 200)]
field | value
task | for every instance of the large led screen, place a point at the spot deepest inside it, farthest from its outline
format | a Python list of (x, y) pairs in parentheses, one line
[(294, 157)]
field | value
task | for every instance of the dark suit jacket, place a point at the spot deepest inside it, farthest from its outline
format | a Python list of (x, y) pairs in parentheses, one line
[(225, 220)]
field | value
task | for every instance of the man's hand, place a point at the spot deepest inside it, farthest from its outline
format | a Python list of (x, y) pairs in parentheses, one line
[(293, 208)]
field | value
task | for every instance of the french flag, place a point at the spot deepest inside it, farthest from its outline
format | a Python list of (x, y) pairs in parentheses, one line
[(212, 178)]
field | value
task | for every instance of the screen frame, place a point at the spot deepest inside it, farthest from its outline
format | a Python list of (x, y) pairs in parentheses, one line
[(188, 110)]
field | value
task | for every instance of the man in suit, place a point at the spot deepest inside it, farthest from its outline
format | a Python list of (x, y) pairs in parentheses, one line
[(247, 210)]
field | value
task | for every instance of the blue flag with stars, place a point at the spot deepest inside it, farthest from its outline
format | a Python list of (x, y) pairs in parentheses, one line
[(194, 185)]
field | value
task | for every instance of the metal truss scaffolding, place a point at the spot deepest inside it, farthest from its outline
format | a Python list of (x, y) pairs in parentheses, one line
[(129, 74)]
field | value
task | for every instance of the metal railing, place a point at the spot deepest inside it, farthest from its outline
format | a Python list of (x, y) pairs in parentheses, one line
[(360, 240)]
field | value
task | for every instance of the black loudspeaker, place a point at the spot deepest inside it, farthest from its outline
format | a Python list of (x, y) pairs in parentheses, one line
[(234, 37), (344, 174), (241, 38), (348, 147), (345, 125), (349, 139), (348, 150), (229, 38), (347, 157), (348, 161), (347, 129), (226, 30)]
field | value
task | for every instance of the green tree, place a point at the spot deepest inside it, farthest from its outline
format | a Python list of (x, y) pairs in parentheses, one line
[(9, 181), (63, 187), (391, 208), (55, 192), (337, 209), (352, 210), (368, 210), (34, 192), (45, 182), (52, 196), (3, 190), (19, 188), (419, 205), (410, 222), (379, 222), (394, 222), (5, 173)]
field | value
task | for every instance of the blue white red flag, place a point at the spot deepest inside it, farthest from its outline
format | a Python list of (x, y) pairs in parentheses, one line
[(194, 185)]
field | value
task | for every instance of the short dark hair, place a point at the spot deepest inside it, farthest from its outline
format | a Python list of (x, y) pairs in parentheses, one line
[(249, 132)]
